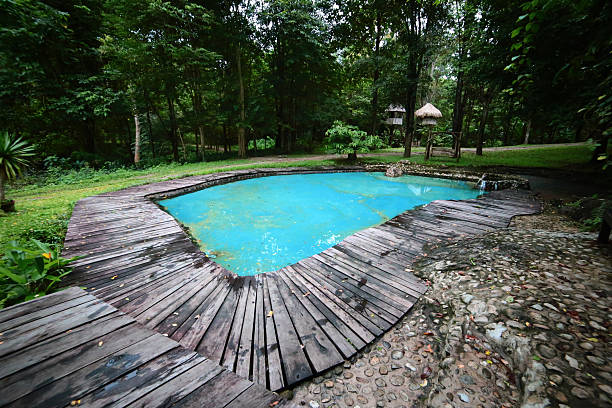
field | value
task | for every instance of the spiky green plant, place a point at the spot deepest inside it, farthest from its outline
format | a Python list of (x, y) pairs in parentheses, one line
[(14, 156)]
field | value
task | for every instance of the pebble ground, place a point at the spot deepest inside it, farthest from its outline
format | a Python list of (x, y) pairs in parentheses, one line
[(519, 317)]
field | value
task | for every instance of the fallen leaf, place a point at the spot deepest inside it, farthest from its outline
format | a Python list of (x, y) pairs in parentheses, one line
[(273, 404), (428, 333), (114, 277), (270, 313), (428, 349), (100, 343)]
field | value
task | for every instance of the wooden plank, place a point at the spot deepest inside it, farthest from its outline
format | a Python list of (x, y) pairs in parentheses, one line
[(321, 351), (230, 355), (135, 384), (214, 341), (170, 392), (39, 352), (259, 374), (255, 396), (39, 304), (52, 371), (274, 367), (217, 392), (100, 373), (294, 361), (343, 337), (358, 321), (247, 335), (39, 330)]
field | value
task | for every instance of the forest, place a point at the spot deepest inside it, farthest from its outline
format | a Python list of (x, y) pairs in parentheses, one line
[(139, 81)]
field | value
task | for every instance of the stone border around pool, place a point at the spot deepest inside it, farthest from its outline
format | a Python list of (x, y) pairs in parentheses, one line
[(276, 328)]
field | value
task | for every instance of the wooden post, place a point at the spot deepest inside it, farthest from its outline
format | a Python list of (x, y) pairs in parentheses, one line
[(428, 145)]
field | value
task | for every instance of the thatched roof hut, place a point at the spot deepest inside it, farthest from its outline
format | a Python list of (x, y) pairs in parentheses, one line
[(428, 111), (396, 108), (428, 114)]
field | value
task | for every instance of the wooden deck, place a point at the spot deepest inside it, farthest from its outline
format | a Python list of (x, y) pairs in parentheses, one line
[(278, 328), (71, 348)]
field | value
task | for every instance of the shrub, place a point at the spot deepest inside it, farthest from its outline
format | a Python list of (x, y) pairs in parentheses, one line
[(28, 272), (347, 139)]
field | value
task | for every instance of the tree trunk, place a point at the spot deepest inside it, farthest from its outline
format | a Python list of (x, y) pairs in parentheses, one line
[(201, 132), (2, 179), (136, 139), (173, 138), (458, 110), (409, 129), (241, 136), (376, 73), (151, 142), (483, 124), (527, 131)]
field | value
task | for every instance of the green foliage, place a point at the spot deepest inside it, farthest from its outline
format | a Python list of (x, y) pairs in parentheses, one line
[(30, 271), (347, 139), (14, 156)]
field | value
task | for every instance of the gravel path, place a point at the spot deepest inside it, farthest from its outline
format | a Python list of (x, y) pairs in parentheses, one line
[(514, 318)]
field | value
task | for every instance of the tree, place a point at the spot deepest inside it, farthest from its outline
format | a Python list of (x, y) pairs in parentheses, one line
[(347, 139), (419, 25)]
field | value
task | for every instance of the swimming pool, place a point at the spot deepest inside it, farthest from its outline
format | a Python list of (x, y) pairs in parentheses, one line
[(263, 224)]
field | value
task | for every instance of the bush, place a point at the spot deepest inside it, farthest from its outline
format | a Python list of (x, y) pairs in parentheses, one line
[(347, 139), (28, 272)]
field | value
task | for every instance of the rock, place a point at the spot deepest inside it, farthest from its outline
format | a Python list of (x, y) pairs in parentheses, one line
[(329, 384), (397, 380), (579, 392), (394, 171), (477, 307), (595, 360), (586, 345), (547, 352), (410, 367), (467, 379), (380, 382), (537, 307), (572, 362), (496, 331), (556, 378), (368, 372), (466, 298), (596, 325), (559, 396), (397, 354), (374, 360), (349, 401), (463, 397), (551, 307), (605, 388), (383, 370), (313, 404)]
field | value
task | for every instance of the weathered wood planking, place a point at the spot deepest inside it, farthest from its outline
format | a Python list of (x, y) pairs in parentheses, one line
[(277, 328), (55, 352)]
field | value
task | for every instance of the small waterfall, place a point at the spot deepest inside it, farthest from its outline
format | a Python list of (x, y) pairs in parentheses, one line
[(483, 186)]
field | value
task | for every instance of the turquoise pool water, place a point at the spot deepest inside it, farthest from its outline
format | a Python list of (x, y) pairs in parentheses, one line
[(263, 224)]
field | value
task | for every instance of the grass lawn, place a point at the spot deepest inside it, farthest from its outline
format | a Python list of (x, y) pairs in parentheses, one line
[(43, 211), (545, 157)]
